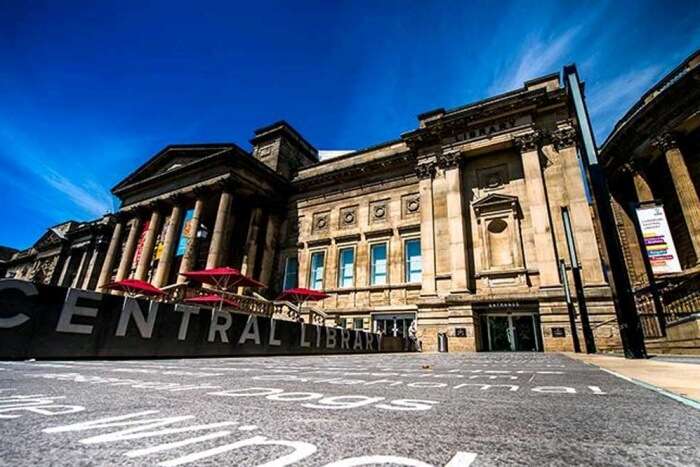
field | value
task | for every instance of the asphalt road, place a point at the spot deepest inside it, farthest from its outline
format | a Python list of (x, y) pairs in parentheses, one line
[(430, 409)]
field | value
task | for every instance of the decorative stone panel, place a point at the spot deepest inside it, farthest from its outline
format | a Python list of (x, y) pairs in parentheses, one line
[(378, 211), (410, 205), (493, 178), (348, 217), (321, 222)]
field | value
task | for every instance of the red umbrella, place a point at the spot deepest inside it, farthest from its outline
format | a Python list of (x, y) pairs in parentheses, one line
[(213, 299), (301, 295), (135, 287), (223, 278)]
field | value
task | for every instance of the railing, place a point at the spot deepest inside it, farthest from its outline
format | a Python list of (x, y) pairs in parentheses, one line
[(679, 298)]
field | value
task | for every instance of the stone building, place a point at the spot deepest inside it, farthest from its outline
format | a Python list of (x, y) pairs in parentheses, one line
[(68, 254), (652, 160), (458, 224)]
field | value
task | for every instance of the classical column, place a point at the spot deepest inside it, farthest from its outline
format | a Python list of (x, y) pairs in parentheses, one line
[(129, 248), (269, 249), (189, 257), (64, 271), (642, 188), (685, 188), (81, 267), (425, 172), (169, 243), (455, 219), (90, 271), (251, 244), (149, 242), (586, 242), (220, 226), (528, 145), (108, 264)]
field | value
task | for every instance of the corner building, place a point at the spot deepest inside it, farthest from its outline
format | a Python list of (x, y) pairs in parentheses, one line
[(458, 224)]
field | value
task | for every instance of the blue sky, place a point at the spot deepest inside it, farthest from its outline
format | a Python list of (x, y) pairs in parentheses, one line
[(89, 90)]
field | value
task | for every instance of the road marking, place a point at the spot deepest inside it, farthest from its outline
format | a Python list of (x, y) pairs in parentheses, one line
[(175, 444)]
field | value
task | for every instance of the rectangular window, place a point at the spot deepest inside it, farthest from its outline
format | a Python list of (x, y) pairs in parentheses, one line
[(291, 273), (414, 263), (358, 323), (316, 273), (346, 267), (343, 322), (378, 273)]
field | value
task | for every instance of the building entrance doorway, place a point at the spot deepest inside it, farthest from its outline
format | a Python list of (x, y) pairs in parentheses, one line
[(505, 332), (393, 325)]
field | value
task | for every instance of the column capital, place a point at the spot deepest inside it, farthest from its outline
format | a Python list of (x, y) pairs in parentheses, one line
[(665, 142), (176, 199), (425, 170), (449, 160), (529, 141), (563, 137)]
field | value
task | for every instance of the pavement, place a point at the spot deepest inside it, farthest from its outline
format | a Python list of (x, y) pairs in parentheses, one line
[(678, 375), (339, 411)]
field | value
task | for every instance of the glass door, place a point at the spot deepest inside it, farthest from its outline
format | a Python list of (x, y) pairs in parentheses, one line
[(523, 327), (499, 333)]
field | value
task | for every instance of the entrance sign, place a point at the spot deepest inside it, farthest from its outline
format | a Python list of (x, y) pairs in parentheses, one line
[(658, 242), (43, 321)]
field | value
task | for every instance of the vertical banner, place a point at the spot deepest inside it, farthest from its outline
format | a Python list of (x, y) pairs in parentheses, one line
[(658, 242), (188, 232)]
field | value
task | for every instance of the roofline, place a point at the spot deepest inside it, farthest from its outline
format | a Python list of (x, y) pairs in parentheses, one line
[(641, 102)]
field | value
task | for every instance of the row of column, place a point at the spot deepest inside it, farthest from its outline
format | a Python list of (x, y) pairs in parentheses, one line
[(682, 182), (220, 240)]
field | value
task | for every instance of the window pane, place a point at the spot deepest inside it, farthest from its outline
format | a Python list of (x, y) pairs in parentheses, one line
[(291, 274), (346, 267), (379, 266), (358, 323), (316, 279), (414, 266)]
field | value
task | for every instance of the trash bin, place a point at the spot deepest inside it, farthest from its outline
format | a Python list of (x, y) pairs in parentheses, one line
[(442, 342)]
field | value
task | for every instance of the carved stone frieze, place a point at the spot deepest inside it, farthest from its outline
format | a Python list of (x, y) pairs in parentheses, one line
[(449, 160), (348, 217), (529, 141), (563, 138), (379, 211), (410, 205), (665, 142), (425, 170)]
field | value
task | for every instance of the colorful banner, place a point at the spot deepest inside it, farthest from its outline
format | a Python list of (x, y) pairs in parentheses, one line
[(188, 232), (658, 242)]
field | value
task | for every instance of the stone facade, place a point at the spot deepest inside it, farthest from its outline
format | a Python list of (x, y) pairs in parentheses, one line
[(651, 158), (457, 224)]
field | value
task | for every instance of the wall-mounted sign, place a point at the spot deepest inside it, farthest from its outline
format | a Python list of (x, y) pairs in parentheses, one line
[(460, 332), (558, 332), (657, 239)]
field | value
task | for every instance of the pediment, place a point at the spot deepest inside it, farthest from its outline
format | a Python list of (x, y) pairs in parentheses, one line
[(496, 201), (170, 159), (50, 239)]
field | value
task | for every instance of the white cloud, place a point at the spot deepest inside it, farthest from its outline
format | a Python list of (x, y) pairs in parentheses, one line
[(608, 100), (538, 56), (91, 197)]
